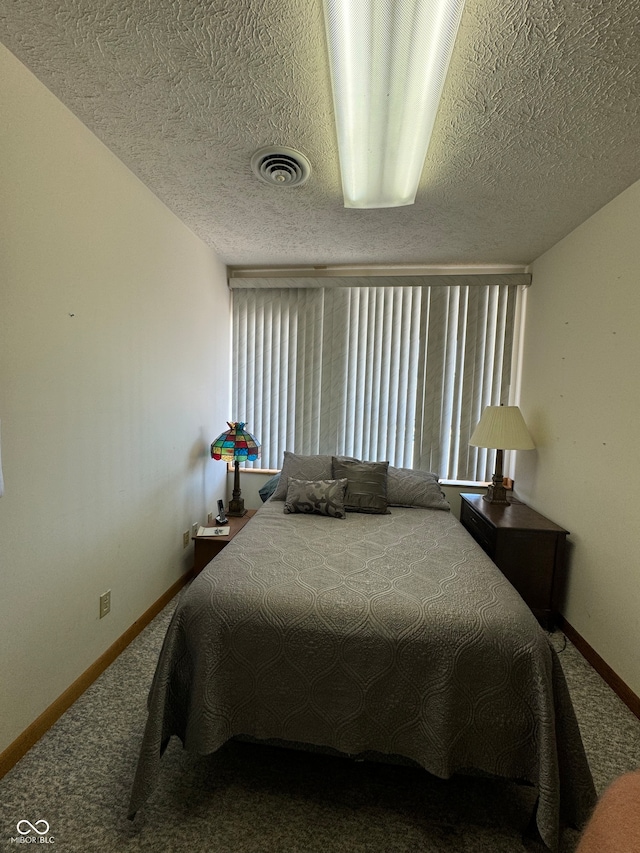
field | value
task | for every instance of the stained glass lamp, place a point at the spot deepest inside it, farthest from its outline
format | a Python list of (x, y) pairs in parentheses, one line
[(236, 445)]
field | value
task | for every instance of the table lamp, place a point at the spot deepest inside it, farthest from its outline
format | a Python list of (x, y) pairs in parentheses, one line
[(502, 428), (236, 445)]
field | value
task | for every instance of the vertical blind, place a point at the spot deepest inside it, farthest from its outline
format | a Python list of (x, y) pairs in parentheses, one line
[(378, 373)]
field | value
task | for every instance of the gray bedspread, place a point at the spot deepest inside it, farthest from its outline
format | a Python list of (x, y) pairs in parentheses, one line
[(393, 633)]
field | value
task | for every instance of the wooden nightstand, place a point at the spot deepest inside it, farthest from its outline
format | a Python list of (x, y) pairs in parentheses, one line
[(206, 547), (527, 548)]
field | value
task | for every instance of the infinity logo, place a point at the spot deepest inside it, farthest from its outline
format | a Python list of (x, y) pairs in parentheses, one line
[(32, 827)]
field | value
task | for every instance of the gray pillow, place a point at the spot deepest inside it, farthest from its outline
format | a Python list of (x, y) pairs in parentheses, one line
[(302, 467), (366, 484), (406, 487), (324, 497)]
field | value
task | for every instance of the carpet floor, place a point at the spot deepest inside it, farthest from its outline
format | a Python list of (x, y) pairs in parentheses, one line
[(251, 798)]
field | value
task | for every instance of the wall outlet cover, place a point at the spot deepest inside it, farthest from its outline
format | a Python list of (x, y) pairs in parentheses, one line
[(105, 603)]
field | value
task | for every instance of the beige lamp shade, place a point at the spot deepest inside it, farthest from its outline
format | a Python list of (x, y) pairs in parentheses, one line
[(502, 427)]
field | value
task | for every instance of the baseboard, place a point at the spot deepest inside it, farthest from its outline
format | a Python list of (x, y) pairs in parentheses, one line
[(622, 690), (23, 743)]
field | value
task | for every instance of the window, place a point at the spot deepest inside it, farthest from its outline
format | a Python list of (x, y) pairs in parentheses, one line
[(398, 373)]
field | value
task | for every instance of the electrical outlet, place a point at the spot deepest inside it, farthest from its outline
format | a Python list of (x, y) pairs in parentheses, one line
[(185, 539), (210, 518), (105, 603), (194, 528)]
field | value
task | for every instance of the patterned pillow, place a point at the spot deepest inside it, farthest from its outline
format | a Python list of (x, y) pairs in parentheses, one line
[(301, 467), (406, 487), (367, 484), (325, 497)]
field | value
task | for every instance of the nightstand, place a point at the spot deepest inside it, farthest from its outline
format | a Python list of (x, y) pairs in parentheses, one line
[(206, 547), (527, 548)]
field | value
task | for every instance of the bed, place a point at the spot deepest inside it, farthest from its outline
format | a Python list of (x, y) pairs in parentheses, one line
[(384, 631)]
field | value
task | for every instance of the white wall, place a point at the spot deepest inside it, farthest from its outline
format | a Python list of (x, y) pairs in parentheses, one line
[(114, 319), (581, 401)]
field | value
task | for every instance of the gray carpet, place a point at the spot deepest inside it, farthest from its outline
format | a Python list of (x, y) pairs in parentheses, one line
[(258, 799)]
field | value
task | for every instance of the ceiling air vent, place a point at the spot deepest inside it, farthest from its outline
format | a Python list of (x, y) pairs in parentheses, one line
[(282, 167)]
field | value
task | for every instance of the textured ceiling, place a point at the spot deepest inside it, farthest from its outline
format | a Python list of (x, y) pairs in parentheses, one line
[(539, 124)]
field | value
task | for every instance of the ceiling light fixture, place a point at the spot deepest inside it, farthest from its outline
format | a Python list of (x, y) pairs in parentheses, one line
[(388, 60)]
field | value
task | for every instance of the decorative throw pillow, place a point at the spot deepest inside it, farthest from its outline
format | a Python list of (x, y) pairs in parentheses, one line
[(325, 497), (366, 484), (269, 487), (301, 467), (406, 487)]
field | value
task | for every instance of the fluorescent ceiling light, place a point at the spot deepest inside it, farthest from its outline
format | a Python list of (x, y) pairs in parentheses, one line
[(389, 60)]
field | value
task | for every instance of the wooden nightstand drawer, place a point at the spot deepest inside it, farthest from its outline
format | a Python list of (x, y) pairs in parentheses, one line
[(482, 532)]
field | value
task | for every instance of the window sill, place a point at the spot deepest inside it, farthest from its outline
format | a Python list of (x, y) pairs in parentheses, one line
[(476, 484), (270, 471)]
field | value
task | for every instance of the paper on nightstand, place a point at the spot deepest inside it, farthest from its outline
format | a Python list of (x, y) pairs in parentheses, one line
[(213, 531)]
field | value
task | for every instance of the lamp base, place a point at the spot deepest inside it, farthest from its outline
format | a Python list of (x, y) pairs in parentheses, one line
[(236, 508), (236, 504), (496, 494)]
